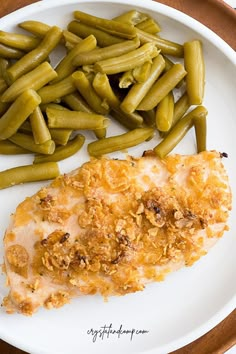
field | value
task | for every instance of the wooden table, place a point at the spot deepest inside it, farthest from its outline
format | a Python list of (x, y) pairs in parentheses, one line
[(218, 16)]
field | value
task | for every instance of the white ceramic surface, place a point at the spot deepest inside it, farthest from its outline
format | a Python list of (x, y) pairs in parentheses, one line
[(191, 301)]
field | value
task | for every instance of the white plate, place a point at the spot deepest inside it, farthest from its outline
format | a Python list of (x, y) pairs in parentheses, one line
[(191, 301)]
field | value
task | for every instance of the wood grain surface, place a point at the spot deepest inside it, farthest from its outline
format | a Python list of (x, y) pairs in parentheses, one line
[(221, 18)]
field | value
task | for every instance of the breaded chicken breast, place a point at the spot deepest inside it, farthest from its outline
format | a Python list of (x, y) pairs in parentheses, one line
[(112, 226)]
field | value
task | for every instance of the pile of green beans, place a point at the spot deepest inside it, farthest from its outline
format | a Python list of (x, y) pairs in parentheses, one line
[(113, 69)]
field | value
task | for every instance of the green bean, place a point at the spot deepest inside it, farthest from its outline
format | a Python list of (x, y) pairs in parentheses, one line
[(18, 41), (27, 142), (60, 136), (164, 113), (53, 92), (126, 79), (142, 72), (35, 79), (4, 65), (132, 17), (127, 61), (169, 65), (138, 91), (17, 113), (63, 152), (128, 120), (103, 39), (36, 56), (3, 85), (35, 27), (66, 65), (195, 67), (177, 133), (9, 148), (149, 26), (75, 120), (119, 142), (166, 47), (77, 103), (40, 130), (3, 107), (86, 89), (10, 53), (111, 51), (149, 117), (28, 173), (102, 86), (162, 87), (44, 106), (116, 28), (200, 126), (26, 127), (180, 108), (71, 38)]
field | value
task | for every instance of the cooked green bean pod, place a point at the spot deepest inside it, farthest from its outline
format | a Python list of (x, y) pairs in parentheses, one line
[(116, 28), (142, 72), (60, 136), (128, 120), (77, 103), (177, 133), (126, 79), (127, 61), (200, 126), (66, 65), (195, 67), (149, 26), (36, 56), (149, 117), (75, 120), (35, 79), (3, 85), (10, 53), (103, 39), (9, 148), (28, 173), (26, 127), (4, 65), (180, 108), (162, 87), (44, 106), (53, 92), (86, 89), (119, 142), (169, 65), (140, 90), (164, 113), (17, 113), (27, 142), (40, 130), (103, 88), (3, 107), (18, 41), (36, 27), (71, 38), (111, 51), (132, 17), (166, 47), (63, 152)]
